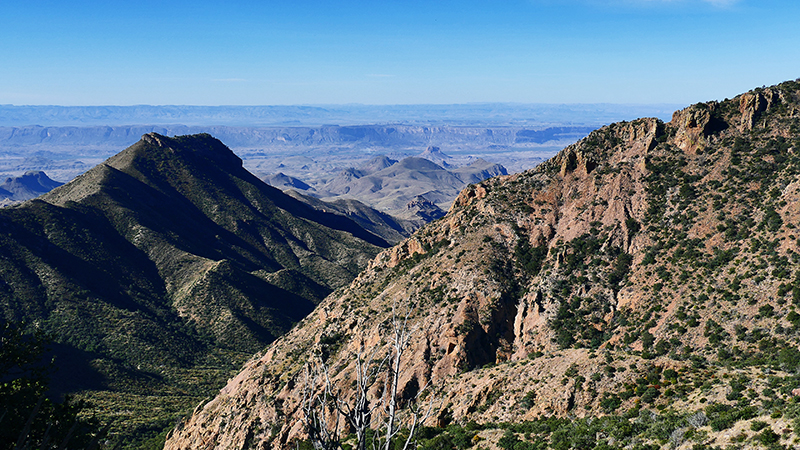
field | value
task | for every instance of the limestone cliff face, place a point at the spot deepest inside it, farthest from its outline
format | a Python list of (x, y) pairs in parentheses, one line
[(606, 248)]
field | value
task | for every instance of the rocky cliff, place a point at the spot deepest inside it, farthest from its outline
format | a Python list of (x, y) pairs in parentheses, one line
[(649, 265)]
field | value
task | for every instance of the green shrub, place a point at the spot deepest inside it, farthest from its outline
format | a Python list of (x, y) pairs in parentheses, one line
[(650, 395), (767, 437), (610, 402)]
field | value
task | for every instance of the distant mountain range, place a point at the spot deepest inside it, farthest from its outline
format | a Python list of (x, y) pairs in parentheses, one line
[(312, 143), (390, 136), (391, 186), (313, 154)]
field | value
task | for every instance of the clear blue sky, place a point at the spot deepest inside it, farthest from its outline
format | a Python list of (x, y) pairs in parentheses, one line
[(393, 51)]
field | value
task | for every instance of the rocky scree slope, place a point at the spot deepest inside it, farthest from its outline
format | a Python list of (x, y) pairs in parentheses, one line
[(649, 267), (169, 256)]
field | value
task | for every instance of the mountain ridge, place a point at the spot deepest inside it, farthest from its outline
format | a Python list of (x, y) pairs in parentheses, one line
[(167, 259), (648, 269)]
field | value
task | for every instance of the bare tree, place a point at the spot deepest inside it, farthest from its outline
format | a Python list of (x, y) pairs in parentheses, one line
[(324, 406), (401, 336), (321, 425), (359, 413)]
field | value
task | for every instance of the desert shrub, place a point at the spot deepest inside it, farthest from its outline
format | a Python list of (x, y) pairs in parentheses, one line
[(529, 258), (772, 220), (650, 395), (528, 400), (610, 402), (767, 437), (620, 269), (452, 437), (722, 416)]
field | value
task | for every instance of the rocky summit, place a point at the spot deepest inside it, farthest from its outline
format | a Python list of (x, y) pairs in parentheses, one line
[(159, 270), (638, 290)]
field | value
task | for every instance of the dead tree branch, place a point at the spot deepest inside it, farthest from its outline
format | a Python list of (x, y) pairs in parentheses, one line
[(325, 406)]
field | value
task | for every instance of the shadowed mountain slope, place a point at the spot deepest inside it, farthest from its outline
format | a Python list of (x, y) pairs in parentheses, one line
[(646, 279), (169, 255), (389, 228)]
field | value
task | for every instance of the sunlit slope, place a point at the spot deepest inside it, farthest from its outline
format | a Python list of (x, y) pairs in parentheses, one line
[(649, 267)]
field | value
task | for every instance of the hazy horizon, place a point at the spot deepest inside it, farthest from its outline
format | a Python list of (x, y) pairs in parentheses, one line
[(497, 114)]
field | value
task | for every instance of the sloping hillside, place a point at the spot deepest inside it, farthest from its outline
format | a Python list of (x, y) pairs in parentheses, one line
[(638, 288), (165, 265)]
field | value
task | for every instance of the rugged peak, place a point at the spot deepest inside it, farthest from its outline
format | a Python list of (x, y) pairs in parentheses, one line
[(282, 181), (154, 139), (30, 185), (471, 193), (36, 181), (480, 162), (203, 145), (695, 125), (435, 154), (187, 164), (377, 163), (419, 202)]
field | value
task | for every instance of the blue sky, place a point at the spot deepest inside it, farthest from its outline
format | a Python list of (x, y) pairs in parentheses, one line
[(393, 52)]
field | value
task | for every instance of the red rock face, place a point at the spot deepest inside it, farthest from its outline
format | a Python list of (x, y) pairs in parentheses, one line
[(530, 278)]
